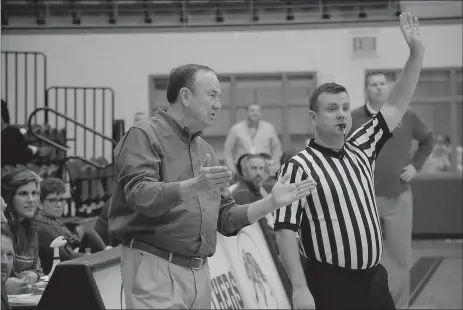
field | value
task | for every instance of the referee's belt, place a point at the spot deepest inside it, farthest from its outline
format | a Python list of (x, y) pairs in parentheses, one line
[(189, 262)]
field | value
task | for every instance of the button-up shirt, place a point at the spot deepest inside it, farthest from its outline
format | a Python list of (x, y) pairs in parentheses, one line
[(150, 161), (396, 152), (240, 141)]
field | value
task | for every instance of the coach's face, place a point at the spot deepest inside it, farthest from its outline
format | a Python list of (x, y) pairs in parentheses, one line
[(203, 102), (333, 113)]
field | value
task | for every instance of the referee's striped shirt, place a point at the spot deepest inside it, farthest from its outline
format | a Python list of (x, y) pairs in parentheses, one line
[(338, 222)]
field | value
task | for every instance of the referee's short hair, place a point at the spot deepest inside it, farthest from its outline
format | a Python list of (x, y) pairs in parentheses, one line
[(331, 88), (182, 76)]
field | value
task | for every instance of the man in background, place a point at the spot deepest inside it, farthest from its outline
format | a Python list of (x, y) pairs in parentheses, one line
[(393, 172), (251, 136)]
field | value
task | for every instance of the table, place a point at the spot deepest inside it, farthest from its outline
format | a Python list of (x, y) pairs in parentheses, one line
[(28, 300)]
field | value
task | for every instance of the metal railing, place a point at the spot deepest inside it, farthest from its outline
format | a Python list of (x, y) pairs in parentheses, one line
[(59, 146), (24, 82), (93, 107), (190, 13)]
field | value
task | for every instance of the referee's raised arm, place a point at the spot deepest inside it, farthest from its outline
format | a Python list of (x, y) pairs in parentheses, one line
[(401, 93), (287, 221)]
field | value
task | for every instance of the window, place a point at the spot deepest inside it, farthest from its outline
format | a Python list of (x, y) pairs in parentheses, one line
[(283, 97)]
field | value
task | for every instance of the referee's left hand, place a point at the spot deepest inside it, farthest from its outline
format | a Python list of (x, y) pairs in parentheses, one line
[(285, 193)]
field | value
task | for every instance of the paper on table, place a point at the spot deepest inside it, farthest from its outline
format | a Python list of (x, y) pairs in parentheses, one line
[(24, 299)]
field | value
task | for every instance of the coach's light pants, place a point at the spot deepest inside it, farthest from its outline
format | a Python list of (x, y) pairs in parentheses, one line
[(151, 282), (397, 217)]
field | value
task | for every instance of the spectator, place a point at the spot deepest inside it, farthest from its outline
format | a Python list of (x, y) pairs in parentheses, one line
[(270, 173), (15, 149), (251, 136), (20, 190), (7, 264), (439, 159), (247, 189), (49, 228)]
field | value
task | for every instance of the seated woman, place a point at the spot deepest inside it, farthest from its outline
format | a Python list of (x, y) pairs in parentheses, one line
[(49, 228), (20, 190)]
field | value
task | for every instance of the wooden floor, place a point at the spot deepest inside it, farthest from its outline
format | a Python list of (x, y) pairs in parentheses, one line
[(436, 275)]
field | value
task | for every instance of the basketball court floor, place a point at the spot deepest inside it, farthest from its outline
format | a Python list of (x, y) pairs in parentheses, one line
[(436, 275)]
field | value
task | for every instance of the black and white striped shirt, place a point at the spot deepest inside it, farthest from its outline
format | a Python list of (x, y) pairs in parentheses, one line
[(338, 222)]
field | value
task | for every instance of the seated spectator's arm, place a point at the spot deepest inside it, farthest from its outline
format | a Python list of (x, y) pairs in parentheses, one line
[(35, 272), (67, 252)]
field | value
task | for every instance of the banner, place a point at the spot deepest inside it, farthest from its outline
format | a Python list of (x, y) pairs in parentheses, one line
[(225, 291), (254, 270)]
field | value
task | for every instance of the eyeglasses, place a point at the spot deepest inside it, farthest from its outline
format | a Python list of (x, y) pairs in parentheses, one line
[(54, 201)]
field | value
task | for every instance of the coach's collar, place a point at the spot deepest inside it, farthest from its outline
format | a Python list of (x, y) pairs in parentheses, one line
[(182, 131), (327, 151)]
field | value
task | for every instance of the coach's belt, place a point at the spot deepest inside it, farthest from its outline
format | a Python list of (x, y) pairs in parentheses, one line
[(190, 262)]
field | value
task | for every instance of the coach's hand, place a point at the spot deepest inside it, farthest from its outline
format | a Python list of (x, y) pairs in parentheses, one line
[(285, 193), (302, 299), (212, 177)]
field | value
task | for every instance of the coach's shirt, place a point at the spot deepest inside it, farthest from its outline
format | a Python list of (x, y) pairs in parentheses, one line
[(150, 162), (338, 222)]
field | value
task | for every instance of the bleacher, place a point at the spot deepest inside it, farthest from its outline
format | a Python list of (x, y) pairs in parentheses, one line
[(61, 122), (47, 162)]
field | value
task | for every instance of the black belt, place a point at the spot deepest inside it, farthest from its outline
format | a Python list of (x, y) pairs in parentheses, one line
[(190, 262)]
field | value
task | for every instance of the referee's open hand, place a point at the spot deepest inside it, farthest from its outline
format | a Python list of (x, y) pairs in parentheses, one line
[(212, 177), (285, 192)]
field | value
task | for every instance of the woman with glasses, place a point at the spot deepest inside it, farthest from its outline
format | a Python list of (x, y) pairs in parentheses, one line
[(20, 190)]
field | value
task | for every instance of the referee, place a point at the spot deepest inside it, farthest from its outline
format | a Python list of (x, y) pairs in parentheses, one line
[(338, 223)]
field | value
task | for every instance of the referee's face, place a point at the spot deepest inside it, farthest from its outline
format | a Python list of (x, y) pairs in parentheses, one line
[(333, 113)]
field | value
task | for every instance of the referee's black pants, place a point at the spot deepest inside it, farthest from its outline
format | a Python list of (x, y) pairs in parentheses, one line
[(339, 288)]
